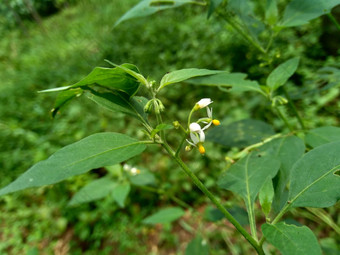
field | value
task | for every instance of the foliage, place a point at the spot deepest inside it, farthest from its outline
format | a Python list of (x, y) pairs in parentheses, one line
[(267, 94)]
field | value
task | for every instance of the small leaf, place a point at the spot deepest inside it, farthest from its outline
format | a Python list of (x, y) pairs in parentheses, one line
[(235, 82), (291, 239), (120, 192), (300, 12), (161, 127), (240, 133), (98, 150), (184, 74), (271, 12), (148, 7), (63, 98), (197, 246), (95, 190), (322, 135), (280, 75), (266, 196), (165, 216), (314, 182)]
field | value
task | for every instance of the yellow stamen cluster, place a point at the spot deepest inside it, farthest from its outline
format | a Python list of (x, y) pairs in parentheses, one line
[(201, 149), (216, 122)]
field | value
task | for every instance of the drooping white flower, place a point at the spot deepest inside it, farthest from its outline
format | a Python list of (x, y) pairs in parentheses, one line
[(204, 102), (197, 136)]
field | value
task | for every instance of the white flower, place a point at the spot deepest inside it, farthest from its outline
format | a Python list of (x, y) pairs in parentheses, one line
[(197, 136), (204, 102)]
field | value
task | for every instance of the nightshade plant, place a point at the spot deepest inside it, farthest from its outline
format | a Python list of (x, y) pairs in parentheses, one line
[(277, 171)]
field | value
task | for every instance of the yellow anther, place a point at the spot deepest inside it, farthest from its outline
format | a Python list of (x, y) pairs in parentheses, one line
[(201, 149), (216, 122)]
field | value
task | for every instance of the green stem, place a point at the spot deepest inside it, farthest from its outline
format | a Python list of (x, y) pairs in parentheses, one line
[(334, 20), (292, 106), (213, 199), (251, 216), (180, 145), (322, 215), (227, 17), (279, 113)]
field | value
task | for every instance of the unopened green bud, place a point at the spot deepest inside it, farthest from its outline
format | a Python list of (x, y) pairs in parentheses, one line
[(279, 100), (176, 124), (148, 106), (188, 148)]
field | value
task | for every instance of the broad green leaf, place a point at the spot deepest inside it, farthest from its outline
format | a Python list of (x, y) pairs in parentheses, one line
[(271, 12), (95, 190), (184, 74), (288, 150), (63, 98), (280, 75), (248, 175), (148, 7), (300, 12), (213, 5), (98, 150), (266, 196), (120, 192), (240, 133), (235, 82), (197, 246), (315, 179), (166, 215), (322, 135), (120, 102), (143, 179), (111, 78), (291, 239)]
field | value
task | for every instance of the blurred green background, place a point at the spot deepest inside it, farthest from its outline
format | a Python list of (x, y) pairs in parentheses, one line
[(51, 43)]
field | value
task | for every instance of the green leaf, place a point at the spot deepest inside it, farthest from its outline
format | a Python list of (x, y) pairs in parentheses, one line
[(291, 239), (288, 150), (98, 150), (266, 196), (197, 246), (248, 175), (315, 180), (240, 133), (63, 98), (271, 12), (161, 127), (184, 74), (245, 10), (95, 190), (119, 102), (280, 75), (300, 12), (235, 82), (322, 135), (213, 5), (166, 215), (112, 78), (120, 193), (148, 7)]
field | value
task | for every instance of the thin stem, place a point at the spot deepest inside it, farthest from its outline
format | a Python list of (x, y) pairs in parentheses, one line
[(292, 106), (213, 199), (322, 215), (333, 19), (236, 26), (180, 145), (279, 113)]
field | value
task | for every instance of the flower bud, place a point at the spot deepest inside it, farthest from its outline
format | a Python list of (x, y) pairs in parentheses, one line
[(216, 122)]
